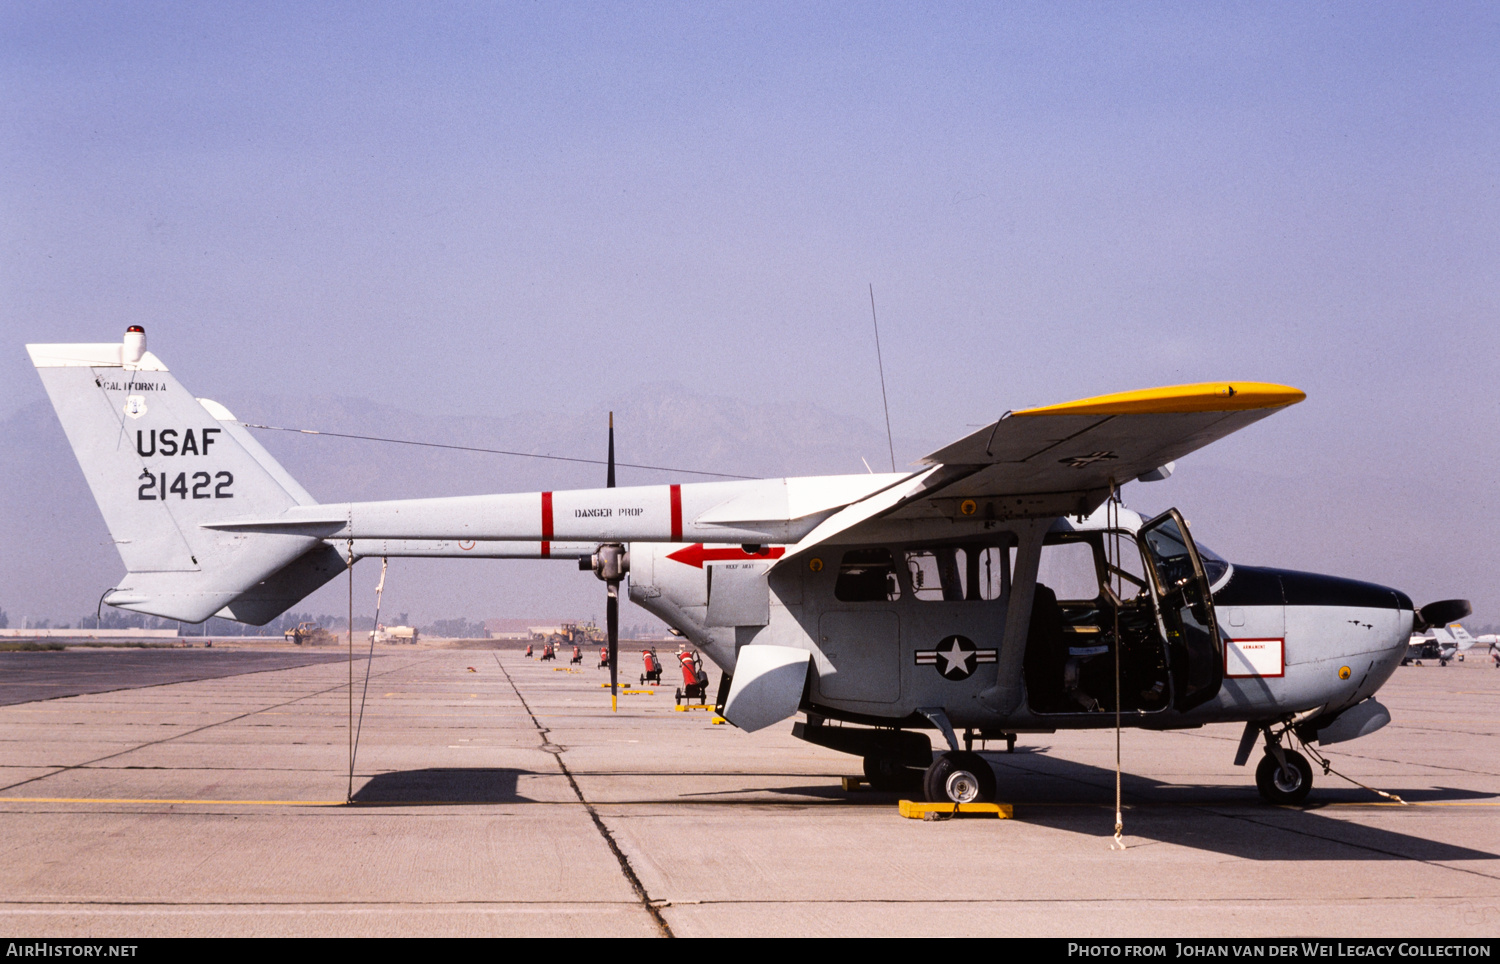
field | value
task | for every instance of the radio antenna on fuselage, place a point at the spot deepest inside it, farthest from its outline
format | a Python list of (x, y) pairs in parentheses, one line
[(881, 364)]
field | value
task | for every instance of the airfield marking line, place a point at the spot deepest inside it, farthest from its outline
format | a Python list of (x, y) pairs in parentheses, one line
[(200, 729), (557, 752), (1427, 803), (236, 803)]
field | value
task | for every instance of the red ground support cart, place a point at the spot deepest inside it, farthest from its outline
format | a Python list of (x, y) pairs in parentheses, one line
[(694, 679), (653, 667)]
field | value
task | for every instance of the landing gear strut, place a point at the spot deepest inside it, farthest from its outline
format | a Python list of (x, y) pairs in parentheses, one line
[(1283, 776)]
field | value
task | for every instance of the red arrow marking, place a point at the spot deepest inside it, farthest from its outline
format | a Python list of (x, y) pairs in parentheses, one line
[(696, 555)]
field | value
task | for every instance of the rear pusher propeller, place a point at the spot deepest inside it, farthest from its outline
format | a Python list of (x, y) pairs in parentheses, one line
[(611, 562)]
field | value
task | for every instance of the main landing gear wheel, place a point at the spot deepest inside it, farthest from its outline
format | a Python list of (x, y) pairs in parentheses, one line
[(1284, 786), (959, 777)]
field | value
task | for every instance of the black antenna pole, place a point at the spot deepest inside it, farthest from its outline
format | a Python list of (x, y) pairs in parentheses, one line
[(878, 361)]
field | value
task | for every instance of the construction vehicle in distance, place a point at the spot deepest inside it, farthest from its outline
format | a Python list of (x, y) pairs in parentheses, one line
[(394, 634), (579, 634), (309, 633)]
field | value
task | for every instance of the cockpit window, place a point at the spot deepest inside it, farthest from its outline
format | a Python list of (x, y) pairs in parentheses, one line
[(1215, 566), (1124, 569), (867, 575), (1069, 569), (1174, 564)]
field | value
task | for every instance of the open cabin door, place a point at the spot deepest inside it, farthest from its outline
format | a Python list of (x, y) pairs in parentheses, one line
[(1194, 648)]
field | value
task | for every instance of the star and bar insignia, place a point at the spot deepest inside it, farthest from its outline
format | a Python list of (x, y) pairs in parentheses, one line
[(956, 657), (1079, 461)]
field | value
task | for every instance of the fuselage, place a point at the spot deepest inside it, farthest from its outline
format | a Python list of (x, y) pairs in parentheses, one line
[(1017, 628)]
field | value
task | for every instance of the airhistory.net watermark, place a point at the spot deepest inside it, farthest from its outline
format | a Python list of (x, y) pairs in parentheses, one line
[(59, 949)]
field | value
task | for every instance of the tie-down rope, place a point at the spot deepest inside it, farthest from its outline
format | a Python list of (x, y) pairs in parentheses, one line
[(356, 727), (1112, 518), (1328, 768)]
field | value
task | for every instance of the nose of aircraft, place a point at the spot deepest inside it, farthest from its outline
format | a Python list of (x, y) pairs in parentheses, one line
[(1314, 589), (1331, 621)]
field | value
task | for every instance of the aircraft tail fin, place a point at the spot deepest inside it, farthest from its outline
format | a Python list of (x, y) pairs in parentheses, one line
[(161, 464), (1461, 636)]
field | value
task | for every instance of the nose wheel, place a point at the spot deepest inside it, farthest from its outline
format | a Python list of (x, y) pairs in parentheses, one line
[(1285, 781), (959, 777)]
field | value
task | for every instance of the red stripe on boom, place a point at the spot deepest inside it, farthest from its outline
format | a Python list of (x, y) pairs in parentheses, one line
[(676, 513), (546, 524)]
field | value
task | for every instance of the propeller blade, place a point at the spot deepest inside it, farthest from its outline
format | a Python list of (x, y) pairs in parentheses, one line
[(612, 597), (612, 626), (1440, 613)]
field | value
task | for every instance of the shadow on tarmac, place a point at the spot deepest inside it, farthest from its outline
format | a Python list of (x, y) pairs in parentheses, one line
[(1230, 820), (442, 786), (1065, 795), (1227, 819)]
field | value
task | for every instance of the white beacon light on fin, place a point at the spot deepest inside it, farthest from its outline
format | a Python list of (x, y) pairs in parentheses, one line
[(135, 345)]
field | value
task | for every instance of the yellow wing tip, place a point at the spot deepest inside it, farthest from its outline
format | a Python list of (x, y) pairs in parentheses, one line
[(1200, 397)]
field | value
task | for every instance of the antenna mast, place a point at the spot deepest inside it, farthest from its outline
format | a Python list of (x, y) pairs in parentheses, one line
[(878, 361)]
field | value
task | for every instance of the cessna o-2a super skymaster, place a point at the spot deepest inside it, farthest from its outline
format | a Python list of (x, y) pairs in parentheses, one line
[(999, 589)]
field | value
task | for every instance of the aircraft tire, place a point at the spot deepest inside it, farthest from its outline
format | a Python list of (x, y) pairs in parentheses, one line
[(1273, 785), (959, 777)]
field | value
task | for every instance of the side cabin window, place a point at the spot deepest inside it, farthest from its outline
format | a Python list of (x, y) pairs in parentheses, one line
[(958, 573), (1070, 570), (1086, 569), (867, 575)]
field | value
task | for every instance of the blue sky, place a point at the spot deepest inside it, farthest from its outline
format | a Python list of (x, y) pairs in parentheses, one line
[(493, 207)]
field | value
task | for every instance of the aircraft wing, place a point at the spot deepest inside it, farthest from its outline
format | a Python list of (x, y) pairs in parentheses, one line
[(1062, 459), (1089, 443)]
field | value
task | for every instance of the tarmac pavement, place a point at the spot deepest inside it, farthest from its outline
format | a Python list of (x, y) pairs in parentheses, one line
[(494, 795)]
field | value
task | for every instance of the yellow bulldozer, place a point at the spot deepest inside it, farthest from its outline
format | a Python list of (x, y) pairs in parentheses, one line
[(311, 634)]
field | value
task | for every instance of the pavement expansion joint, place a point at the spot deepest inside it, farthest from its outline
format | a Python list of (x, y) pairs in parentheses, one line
[(626, 869)]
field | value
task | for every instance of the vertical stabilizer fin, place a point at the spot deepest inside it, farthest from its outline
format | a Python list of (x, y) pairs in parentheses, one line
[(161, 464)]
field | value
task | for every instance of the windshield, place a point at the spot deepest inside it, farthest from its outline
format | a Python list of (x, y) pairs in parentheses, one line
[(1215, 566)]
